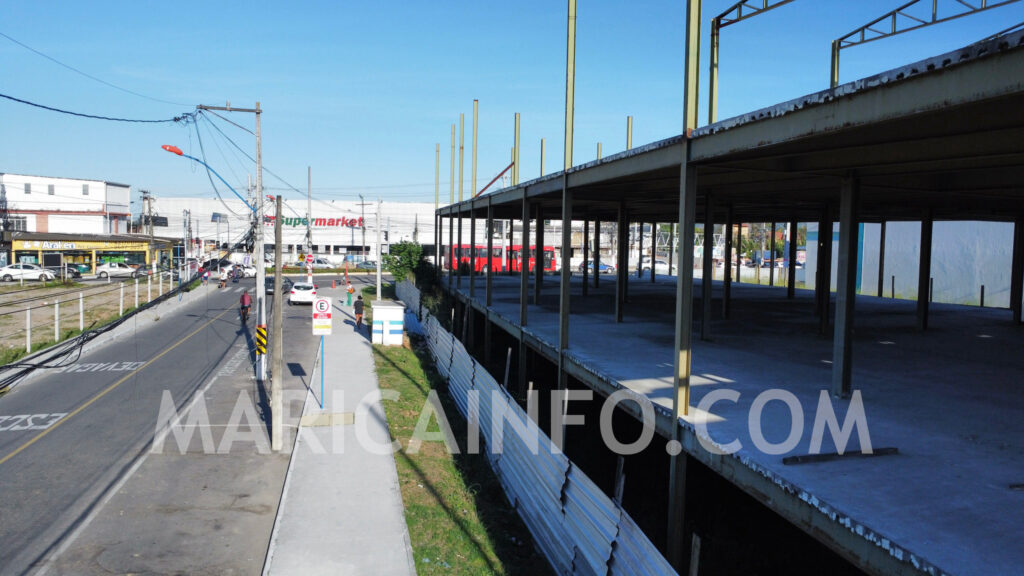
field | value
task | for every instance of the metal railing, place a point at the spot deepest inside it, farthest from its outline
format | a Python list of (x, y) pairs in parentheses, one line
[(579, 529)]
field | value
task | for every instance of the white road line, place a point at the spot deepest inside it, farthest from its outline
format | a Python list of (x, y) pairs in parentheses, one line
[(131, 471)]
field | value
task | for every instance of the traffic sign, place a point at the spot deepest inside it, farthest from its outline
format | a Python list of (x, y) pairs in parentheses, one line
[(309, 258), (322, 316), (261, 339)]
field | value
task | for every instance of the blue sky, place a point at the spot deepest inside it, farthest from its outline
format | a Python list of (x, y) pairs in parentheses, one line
[(362, 91)]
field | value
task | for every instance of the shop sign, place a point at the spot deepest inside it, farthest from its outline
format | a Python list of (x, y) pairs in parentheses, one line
[(296, 222)]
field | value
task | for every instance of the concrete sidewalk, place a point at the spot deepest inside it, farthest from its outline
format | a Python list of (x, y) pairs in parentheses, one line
[(341, 510)]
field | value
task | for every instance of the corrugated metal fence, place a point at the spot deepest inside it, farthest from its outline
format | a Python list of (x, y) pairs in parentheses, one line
[(577, 527)]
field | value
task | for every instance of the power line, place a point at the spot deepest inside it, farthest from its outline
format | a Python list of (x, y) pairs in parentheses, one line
[(185, 117), (89, 76)]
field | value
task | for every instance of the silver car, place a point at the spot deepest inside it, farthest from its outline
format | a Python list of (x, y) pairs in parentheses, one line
[(116, 269), (26, 272)]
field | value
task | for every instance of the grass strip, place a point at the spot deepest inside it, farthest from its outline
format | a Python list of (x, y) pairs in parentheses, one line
[(459, 520)]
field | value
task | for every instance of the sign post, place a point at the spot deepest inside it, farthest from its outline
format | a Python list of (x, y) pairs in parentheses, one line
[(322, 327), (309, 267)]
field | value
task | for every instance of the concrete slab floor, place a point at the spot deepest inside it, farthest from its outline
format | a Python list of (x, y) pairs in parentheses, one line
[(949, 399)]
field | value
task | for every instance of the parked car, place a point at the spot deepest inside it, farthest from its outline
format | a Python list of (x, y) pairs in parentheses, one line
[(286, 285), (367, 265), (117, 269), (25, 271), (248, 271), (603, 268), (303, 292), (66, 271)]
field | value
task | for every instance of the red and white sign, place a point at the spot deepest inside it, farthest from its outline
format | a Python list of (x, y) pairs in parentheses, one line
[(322, 316), (309, 258)]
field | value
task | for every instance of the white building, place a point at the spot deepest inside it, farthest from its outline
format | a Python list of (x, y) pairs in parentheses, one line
[(66, 205), (340, 229)]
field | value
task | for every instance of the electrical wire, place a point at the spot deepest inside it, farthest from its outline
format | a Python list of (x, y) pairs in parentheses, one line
[(184, 117), (89, 76)]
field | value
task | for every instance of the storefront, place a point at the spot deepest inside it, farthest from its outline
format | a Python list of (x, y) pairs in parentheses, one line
[(87, 252)]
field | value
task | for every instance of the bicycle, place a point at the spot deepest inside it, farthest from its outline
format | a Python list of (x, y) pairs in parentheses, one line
[(245, 314)]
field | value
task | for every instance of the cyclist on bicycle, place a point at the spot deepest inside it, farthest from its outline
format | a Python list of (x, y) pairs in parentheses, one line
[(246, 302)]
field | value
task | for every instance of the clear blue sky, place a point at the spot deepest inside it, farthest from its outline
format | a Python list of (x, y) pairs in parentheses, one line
[(362, 91)]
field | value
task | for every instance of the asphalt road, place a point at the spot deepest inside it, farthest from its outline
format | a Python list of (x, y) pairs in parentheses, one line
[(68, 437)]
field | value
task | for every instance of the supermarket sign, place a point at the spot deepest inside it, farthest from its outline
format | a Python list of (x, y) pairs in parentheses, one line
[(317, 222)]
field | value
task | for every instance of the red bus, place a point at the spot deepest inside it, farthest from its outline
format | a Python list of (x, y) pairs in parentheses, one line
[(499, 260)]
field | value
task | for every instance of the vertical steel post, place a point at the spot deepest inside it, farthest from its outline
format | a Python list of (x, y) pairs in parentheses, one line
[(672, 247), (654, 249), (1017, 269), (621, 264), (727, 267), (461, 249), (437, 175), (640, 250), (538, 256), (834, 73), (564, 296), (739, 252), (570, 84), (586, 255), (924, 270), (462, 153), (825, 266), (515, 153), (472, 179), (136, 293), (708, 265), (149, 289), (675, 536), (81, 312), (541, 155), (629, 132), (490, 257), (56, 321), (524, 263), (28, 330), (791, 269), (598, 150), (881, 260), (713, 72), (451, 255), (120, 300), (771, 260), (472, 251), (451, 183), (846, 293), (597, 253)]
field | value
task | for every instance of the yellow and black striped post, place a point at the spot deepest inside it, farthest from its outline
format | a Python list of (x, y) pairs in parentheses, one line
[(261, 339)]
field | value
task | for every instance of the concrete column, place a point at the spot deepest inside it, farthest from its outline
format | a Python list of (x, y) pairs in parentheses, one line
[(538, 258), (654, 248), (825, 269), (727, 266), (846, 294), (739, 252), (586, 256), (564, 296), (708, 277), (640, 250), (671, 247), (597, 253), (771, 261), (451, 252), (458, 261), (490, 259), (1017, 269), (472, 252), (791, 270), (684, 293), (881, 260), (924, 271), (524, 268), (621, 263)]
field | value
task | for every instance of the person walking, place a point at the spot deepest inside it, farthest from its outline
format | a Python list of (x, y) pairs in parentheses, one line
[(359, 312), (206, 277), (223, 277), (351, 290)]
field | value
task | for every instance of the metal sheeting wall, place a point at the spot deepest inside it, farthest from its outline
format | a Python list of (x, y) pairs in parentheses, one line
[(576, 526)]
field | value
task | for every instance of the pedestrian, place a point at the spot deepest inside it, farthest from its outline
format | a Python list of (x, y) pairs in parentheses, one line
[(223, 277), (244, 303), (206, 277), (350, 291), (359, 312)]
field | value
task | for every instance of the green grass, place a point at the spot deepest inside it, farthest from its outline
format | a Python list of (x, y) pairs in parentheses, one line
[(459, 520)]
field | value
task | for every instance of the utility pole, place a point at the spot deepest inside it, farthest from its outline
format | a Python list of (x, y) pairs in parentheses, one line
[(362, 218), (261, 273), (379, 253), (276, 393), (309, 221)]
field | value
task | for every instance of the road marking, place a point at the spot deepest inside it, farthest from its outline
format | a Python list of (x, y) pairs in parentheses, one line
[(108, 389), (29, 421), (101, 367)]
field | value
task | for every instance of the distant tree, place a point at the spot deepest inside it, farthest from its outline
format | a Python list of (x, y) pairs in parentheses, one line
[(402, 259)]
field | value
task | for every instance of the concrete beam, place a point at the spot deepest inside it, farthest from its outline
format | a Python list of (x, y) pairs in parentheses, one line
[(842, 345)]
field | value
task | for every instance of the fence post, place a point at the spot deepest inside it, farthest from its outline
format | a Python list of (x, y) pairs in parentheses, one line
[(149, 289), (56, 321), (120, 301), (81, 312), (28, 330), (136, 293), (982, 295), (160, 284)]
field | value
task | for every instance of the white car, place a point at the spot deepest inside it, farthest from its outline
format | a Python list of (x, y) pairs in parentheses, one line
[(26, 271), (117, 269), (249, 271), (303, 292)]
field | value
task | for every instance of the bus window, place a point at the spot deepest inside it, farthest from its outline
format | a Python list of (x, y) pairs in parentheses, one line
[(496, 252)]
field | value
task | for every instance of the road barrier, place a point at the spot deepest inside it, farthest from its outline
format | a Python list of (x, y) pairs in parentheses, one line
[(579, 529)]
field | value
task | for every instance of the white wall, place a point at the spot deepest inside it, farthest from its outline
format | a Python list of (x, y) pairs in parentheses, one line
[(67, 194), (76, 224)]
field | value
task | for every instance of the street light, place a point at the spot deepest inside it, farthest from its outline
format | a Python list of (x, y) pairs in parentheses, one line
[(176, 150)]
